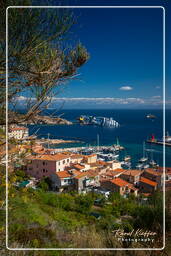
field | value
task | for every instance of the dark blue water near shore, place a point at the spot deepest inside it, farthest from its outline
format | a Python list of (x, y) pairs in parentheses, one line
[(134, 129)]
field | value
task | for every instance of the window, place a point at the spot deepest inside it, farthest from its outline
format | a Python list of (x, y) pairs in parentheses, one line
[(68, 160), (63, 161), (43, 163), (43, 170), (59, 163)]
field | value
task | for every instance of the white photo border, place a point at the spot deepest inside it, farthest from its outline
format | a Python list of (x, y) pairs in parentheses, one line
[(85, 249)]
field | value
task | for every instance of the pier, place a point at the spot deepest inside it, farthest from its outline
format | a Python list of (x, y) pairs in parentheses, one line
[(159, 143), (93, 148)]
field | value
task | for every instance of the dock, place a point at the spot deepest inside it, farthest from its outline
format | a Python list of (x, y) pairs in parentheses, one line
[(161, 143), (93, 148)]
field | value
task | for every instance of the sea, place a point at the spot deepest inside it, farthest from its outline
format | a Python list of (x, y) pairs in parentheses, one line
[(135, 128)]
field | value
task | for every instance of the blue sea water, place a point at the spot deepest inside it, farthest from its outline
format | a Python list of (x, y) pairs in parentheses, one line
[(134, 129)]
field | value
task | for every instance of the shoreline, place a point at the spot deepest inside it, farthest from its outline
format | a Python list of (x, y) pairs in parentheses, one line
[(56, 141)]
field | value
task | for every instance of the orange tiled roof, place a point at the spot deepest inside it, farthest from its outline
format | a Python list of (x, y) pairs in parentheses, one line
[(82, 174), (56, 157), (92, 173), (18, 128), (132, 172), (75, 156), (161, 169), (153, 172), (120, 182), (78, 166), (149, 182), (102, 162), (88, 156), (63, 174)]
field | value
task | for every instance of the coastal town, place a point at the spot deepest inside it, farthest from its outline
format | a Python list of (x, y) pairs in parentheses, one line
[(81, 170)]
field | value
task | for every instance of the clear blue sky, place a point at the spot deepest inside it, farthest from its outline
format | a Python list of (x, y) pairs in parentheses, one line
[(126, 56)]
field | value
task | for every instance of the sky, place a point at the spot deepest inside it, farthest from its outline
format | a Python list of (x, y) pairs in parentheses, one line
[(125, 69)]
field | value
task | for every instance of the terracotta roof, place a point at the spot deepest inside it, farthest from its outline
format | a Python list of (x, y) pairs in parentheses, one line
[(63, 174), (120, 182), (132, 172), (18, 128), (161, 169), (76, 156), (95, 164), (79, 176), (88, 156), (92, 173), (146, 194), (56, 157), (78, 166), (102, 162), (153, 172), (149, 182)]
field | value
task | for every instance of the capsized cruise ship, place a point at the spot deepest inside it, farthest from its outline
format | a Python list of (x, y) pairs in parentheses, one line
[(100, 121)]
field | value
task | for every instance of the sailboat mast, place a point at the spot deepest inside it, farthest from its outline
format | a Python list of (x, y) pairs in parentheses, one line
[(98, 142)]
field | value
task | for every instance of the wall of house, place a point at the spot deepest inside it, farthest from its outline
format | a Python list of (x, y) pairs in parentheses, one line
[(60, 165), (39, 168), (146, 188), (76, 160), (80, 183), (116, 165)]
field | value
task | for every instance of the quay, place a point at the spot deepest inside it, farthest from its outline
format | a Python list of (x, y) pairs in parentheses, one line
[(159, 143), (92, 148)]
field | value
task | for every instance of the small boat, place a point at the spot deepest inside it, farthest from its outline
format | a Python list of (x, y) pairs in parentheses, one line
[(152, 163), (167, 138), (150, 116), (139, 166), (127, 158), (126, 164), (146, 166)]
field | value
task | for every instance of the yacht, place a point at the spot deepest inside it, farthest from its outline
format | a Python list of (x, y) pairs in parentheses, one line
[(127, 158), (144, 158), (139, 166)]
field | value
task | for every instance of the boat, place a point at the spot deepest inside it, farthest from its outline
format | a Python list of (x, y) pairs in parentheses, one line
[(146, 166), (144, 158), (150, 116), (139, 166), (127, 158), (117, 146), (153, 163), (99, 121), (126, 164), (167, 138)]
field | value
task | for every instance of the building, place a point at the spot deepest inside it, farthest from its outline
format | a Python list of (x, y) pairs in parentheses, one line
[(62, 180), (154, 175), (120, 186), (18, 133), (111, 174), (44, 165), (90, 159), (76, 158), (147, 186), (132, 176), (114, 164)]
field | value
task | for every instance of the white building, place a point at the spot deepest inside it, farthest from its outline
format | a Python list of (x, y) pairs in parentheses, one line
[(18, 133)]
